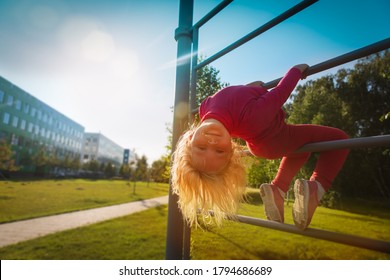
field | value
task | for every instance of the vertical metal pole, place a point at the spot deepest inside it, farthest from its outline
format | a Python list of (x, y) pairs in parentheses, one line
[(194, 75), (183, 35)]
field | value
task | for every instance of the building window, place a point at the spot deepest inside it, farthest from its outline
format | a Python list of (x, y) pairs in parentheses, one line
[(15, 121), (6, 118), (33, 112), (18, 105), (30, 127), (23, 124), (10, 100), (1, 96), (26, 108)]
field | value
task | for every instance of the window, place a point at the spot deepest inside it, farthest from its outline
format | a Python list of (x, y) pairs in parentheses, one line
[(15, 121), (30, 127), (26, 108), (1, 96), (36, 129), (6, 118), (18, 105), (33, 111), (10, 100), (23, 124)]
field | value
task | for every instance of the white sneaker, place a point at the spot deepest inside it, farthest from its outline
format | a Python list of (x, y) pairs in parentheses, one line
[(273, 200)]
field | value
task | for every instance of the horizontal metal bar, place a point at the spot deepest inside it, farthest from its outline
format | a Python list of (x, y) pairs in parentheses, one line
[(339, 60), (362, 142), (372, 141), (212, 13), (294, 10), (357, 241), (342, 59)]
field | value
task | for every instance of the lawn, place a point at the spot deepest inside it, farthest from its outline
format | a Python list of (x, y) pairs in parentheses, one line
[(28, 199), (132, 238), (142, 236)]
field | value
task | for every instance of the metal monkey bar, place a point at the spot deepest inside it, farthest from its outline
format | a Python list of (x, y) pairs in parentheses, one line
[(178, 233)]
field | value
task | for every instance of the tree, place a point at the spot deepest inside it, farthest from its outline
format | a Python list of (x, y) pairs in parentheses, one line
[(141, 169), (125, 171), (356, 101), (208, 82), (158, 171), (109, 170), (41, 160), (7, 163)]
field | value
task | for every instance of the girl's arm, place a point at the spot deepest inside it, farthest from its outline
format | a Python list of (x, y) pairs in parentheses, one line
[(273, 101)]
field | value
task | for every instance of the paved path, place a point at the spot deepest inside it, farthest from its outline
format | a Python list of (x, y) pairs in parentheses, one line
[(14, 232)]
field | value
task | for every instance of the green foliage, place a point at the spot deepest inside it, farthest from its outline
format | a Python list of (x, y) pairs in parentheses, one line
[(7, 161), (158, 171), (208, 82), (262, 171), (141, 169), (357, 101), (109, 170), (331, 199)]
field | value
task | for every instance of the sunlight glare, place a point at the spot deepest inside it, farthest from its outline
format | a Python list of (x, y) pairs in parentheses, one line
[(98, 46), (124, 64)]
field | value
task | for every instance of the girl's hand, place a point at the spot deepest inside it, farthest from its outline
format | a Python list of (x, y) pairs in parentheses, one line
[(256, 84), (302, 67)]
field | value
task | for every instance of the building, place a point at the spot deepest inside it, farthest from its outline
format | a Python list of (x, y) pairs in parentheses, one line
[(129, 157), (98, 147), (33, 129), (30, 125)]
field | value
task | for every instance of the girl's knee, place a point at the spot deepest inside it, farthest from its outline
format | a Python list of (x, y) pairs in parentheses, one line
[(342, 134)]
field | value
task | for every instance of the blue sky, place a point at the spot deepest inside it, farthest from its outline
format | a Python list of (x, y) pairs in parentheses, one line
[(110, 65)]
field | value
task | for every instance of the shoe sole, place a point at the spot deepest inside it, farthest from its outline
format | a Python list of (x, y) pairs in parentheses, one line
[(301, 204), (267, 195)]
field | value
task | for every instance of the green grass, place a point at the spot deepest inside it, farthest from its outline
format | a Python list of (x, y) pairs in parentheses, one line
[(241, 241), (138, 236), (142, 236), (28, 199)]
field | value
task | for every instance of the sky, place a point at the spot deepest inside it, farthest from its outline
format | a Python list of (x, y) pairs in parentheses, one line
[(111, 65)]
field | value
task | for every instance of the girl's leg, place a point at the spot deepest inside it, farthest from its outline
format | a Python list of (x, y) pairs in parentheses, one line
[(295, 136)]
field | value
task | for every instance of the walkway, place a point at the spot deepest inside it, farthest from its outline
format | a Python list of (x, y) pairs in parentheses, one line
[(15, 232)]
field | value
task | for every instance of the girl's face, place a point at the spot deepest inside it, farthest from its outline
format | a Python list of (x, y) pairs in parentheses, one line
[(211, 147)]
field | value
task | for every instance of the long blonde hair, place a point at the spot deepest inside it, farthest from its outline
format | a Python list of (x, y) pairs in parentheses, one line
[(212, 196)]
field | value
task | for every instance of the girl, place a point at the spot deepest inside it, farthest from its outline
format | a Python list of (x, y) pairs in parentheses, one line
[(208, 174)]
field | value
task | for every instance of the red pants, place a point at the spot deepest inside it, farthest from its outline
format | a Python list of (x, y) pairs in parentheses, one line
[(292, 137)]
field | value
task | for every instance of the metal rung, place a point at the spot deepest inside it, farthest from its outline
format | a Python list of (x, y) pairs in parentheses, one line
[(347, 239), (363, 142)]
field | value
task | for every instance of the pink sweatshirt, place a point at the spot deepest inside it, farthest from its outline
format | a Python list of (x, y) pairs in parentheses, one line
[(251, 112)]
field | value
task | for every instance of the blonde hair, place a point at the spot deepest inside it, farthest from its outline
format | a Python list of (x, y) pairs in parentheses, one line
[(213, 196)]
